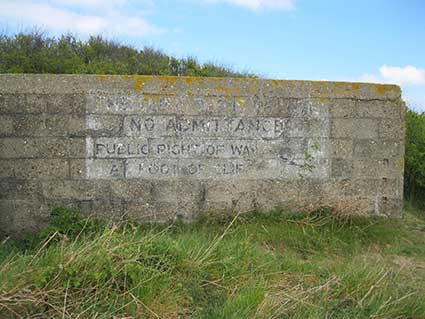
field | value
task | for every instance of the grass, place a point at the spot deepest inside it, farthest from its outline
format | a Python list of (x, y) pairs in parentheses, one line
[(256, 266)]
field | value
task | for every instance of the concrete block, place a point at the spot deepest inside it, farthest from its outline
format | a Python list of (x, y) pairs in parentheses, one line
[(276, 194), (354, 128), (377, 149), (72, 190), (104, 125), (34, 148), (6, 125), (389, 168), (65, 103), (391, 129), (20, 189), (341, 168), (76, 147), (390, 207), (341, 148), (104, 169), (29, 125), (20, 217), (11, 103), (69, 125), (7, 168), (234, 196), (41, 168), (106, 209), (349, 108), (308, 108), (132, 190)]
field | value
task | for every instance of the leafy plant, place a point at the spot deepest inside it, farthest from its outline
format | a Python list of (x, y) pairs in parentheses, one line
[(415, 157), (67, 223)]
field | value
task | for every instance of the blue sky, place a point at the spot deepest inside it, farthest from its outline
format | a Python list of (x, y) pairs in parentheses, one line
[(362, 40)]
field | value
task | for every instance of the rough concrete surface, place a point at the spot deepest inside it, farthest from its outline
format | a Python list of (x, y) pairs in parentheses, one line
[(159, 148)]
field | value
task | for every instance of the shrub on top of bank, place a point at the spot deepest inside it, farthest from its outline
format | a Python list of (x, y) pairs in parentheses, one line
[(34, 52)]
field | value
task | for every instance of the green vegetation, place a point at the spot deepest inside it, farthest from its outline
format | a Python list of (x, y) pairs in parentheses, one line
[(415, 158), (36, 53), (257, 266)]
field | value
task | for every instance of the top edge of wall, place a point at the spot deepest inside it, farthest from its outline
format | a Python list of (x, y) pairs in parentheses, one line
[(196, 86)]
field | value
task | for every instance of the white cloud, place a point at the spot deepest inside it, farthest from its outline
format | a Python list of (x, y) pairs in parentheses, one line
[(259, 4), (409, 75), (404, 76), (57, 18), (410, 78)]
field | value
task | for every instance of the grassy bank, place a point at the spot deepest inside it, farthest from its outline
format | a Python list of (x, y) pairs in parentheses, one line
[(37, 52), (279, 266)]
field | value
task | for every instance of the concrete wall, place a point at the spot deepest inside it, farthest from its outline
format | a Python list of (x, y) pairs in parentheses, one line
[(154, 148)]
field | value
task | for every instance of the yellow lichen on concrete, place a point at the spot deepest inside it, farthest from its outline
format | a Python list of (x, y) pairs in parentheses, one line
[(240, 101), (151, 98), (138, 81), (138, 84), (223, 89), (192, 85), (102, 77), (342, 87), (381, 89), (192, 79), (254, 88), (169, 80), (355, 86)]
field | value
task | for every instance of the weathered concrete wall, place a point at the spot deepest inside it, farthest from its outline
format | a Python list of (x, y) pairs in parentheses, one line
[(154, 148)]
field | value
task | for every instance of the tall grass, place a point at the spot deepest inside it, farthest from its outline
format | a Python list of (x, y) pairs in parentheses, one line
[(257, 266)]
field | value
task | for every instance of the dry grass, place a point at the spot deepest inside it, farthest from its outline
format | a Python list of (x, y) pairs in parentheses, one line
[(275, 266)]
